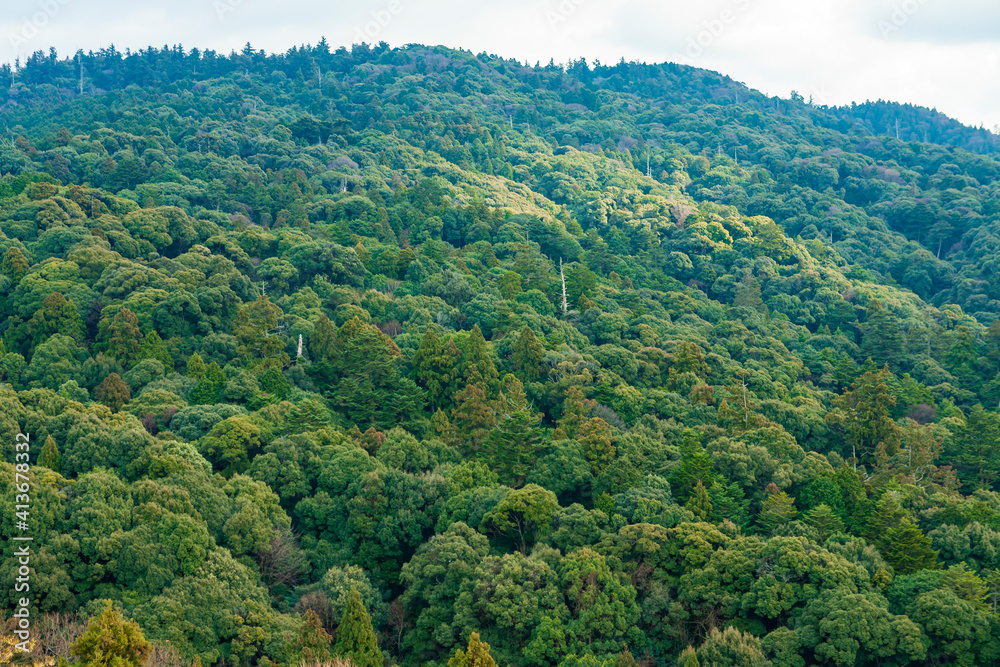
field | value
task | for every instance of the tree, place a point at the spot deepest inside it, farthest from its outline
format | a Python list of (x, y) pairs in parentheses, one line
[(777, 510), (259, 346), (125, 337), (863, 414), (14, 265), (476, 366), (355, 635), (731, 648), (907, 549), (313, 641), (435, 368), (523, 515), (513, 444), (208, 391), (49, 456), (526, 361), (881, 338), (113, 392), (825, 521), (111, 641), (699, 503), (695, 467), (476, 654), (153, 347), (196, 367)]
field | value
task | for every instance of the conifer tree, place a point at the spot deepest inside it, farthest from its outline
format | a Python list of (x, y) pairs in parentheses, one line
[(196, 366), (776, 510), (477, 365), (111, 641), (125, 338), (476, 654), (210, 386), (50, 456), (824, 520), (113, 392), (153, 347), (355, 635), (699, 503), (526, 361), (313, 641), (695, 466), (435, 368)]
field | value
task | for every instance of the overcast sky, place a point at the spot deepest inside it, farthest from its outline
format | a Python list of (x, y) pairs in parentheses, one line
[(938, 53)]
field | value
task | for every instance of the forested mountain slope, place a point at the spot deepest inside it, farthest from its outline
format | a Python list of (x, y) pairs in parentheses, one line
[(606, 364)]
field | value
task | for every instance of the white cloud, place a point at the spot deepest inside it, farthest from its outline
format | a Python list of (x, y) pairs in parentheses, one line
[(938, 53)]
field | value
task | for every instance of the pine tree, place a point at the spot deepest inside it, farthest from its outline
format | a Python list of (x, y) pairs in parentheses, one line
[(355, 635), (111, 641), (699, 503), (526, 361), (14, 265), (125, 337), (688, 658), (473, 419), (863, 414), (50, 456), (196, 367), (113, 392), (476, 654)]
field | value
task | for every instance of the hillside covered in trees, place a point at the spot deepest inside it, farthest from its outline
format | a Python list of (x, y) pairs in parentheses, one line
[(410, 356)]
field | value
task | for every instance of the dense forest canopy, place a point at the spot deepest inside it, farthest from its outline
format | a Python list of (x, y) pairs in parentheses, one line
[(414, 356)]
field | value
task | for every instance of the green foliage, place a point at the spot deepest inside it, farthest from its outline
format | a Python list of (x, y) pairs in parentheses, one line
[(111, 641), (355, 636)]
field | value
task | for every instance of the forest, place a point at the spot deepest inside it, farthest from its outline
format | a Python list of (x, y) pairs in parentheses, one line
[(414, 356)]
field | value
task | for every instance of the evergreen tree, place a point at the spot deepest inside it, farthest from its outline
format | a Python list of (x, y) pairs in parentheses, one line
[(514, 442), (907, 549), (196, 367), (881, 338), (57, 315), (597, 438), (777, 510), (126, 337), (699, 503), (355, 635), (313, 641), (153, 347), (111, 641), (476, 654), (477, 365), (113, 392), (14, 265), (825, 521), (695, 467), (49, 456), (863, 415), (210, 385), (526, 361), (435, 367), (259, 347)]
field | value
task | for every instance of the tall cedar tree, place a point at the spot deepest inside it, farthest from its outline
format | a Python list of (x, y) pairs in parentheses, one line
[(355, 635), (526, 361), (863, 414), (126, 337)]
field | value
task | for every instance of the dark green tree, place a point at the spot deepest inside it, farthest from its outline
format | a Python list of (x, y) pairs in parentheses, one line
[(355, 636)]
